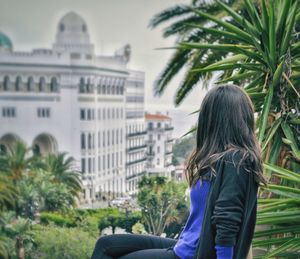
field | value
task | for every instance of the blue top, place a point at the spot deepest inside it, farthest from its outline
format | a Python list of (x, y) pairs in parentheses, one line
[(186, 245)]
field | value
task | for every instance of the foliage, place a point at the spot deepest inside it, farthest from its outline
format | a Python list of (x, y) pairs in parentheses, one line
[(281, 215), (257, 47), (138, 228), (183, 147), (159, 200), (56, 242), (57, 219)]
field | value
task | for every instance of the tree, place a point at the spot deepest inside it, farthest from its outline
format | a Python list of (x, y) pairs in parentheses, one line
[(159, 199), (180, 19), (62, 167), (259, 49)]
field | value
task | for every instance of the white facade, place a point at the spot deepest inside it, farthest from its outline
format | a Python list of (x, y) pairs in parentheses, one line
[(68, 99), (159, 144), (135, 131)]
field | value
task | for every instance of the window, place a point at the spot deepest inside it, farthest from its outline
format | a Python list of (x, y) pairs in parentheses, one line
[(103, 139), (53, 85), (89, 165), (112, 137), (158, 124), (108, 158), (103, 114), (9, 112), (61, 27), (82, 114), (19, 84), (42, 84), (99, 167), (157, 161), (117, 159), (150, 125), (89, 115), (81, 85), (6, 85), (108, 136), (83, 165), (108, 113), (99, 139), (30, 84), (113, 160), (103, 162), (121, 136), (158, 149), (82, 139), (117, 136), (158, 137), (43, 112), (89, 141)]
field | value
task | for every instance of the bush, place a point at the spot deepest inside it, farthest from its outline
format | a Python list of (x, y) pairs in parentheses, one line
[(58, 219), (55, 242)]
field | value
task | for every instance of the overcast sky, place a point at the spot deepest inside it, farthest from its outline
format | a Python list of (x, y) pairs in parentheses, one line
[(111, 24)]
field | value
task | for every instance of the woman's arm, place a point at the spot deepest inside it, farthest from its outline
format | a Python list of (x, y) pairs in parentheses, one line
[(229, 207)]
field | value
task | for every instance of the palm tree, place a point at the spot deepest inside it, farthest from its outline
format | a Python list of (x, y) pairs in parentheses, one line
[(62, 168), (181, 18), (262, 55)]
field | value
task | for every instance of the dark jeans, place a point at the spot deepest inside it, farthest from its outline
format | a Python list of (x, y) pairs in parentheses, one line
[(131, 246)]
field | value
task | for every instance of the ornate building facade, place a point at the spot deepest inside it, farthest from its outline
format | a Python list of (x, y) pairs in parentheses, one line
[(68, 99)]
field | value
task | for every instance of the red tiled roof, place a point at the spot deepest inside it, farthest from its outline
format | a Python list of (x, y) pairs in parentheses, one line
[(156, 117)]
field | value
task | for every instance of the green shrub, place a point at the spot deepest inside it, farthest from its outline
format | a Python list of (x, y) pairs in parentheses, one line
[(57, 219), (56, 242)]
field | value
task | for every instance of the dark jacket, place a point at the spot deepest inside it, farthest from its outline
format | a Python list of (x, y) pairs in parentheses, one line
[(230, 213)]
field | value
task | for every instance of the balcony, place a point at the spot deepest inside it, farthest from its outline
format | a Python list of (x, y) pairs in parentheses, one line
[(168, 153), (135, 175), (169, 128), (150, 142), (136, 148), (133, 134), (170, 140), (137, 161), (150, 154)]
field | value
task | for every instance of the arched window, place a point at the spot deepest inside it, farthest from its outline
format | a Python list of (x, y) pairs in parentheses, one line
[(30, 84), (83, 145), (89, 141), (6, 84), (61, 27), (42, 84), (89, 86), (53, 85), (19, 84)]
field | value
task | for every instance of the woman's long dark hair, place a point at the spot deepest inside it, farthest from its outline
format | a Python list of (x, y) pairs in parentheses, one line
[(226, 123)]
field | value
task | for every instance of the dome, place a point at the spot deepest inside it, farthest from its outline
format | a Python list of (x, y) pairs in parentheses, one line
[(72, 33), (5, 42), (72, 29)]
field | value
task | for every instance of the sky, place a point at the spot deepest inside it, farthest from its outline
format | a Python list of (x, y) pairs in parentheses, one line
[(111, 24)]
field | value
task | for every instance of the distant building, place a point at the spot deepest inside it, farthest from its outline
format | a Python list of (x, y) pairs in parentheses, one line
[(135, 131), (67, 98), (159, 144)]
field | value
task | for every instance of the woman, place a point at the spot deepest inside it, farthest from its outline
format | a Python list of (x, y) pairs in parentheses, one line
[(223, 173)]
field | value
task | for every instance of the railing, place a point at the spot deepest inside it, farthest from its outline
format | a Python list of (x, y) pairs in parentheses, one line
[(137, 161), (169, 128), (135, 175), (137, 133), (136, 147)]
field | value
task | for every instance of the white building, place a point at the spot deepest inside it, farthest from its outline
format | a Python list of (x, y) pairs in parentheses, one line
[(69, 99), (159, 144), (135, 131)]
